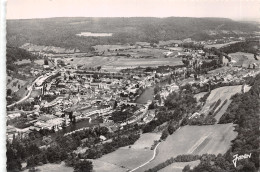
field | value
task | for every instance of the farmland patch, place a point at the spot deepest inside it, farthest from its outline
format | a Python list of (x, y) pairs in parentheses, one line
[(211, 139)]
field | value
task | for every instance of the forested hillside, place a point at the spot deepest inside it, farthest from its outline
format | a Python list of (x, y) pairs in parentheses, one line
[(14, 54), (61, 32)]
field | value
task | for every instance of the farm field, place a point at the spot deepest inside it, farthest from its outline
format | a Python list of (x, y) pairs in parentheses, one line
[(222, 93), (145, 62), (153, 52), (221, 45), (178, 166), (211, 139), (130, 157), (91, 61)]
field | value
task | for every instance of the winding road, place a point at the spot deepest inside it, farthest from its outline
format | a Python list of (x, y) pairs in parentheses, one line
[(154, 153)]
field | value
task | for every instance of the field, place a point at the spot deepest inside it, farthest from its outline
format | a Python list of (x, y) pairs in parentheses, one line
[(243, 59), (129, 157), (178, 166), (221, 45), (123, 63), (222, 93), (212, 139), (100, 166), (116, 63), (53, 168), (146, 52), (101, 48)]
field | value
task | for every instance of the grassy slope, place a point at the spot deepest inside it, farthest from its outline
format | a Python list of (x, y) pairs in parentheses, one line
[(129, 158), (212, 139)]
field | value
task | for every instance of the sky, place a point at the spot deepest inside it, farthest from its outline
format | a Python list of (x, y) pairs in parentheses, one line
[(235, 9)]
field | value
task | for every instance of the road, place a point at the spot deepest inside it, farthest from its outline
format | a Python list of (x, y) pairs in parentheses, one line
[(154, 153), (29, 90)]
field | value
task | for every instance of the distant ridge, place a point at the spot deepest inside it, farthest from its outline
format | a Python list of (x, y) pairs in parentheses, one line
[(61, 32)]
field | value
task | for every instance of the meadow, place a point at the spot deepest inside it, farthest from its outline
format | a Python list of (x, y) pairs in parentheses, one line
[(211, 139), (178, 166), (129, 157)]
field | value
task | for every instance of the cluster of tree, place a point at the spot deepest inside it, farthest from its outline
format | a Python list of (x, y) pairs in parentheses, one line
[(216, 112), (204, 98), (117, 142), (120, 116), (201, 120), (209, 65), (171, 128), (79, 165), (247, 46), (210, 162), (72, 141), (215, 105), (177, 106), (179, 158), (17, 151)]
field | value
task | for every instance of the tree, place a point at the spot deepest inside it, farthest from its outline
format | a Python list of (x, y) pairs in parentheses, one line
[(170, 129), (83, 166), (9, 92), (46, 62), (156, 89), (169, 80), (164, 135), (186, 168), (115, 105)]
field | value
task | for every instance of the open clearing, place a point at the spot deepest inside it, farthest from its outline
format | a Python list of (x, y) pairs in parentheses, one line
[(211, 139), (100, 166), (53, 168), (126, 158), (243, 59), (178, 166)]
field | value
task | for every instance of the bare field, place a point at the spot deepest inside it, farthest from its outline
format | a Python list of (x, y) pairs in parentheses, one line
[(127, 157), (212, 139), (178, 166)]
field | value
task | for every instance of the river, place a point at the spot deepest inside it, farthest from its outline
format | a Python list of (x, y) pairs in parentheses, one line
[(148, 93)]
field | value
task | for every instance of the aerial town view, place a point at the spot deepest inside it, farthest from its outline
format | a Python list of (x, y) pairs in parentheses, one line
[(127, 93)]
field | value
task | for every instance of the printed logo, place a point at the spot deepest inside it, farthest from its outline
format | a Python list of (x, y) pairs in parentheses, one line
[(240, 157)]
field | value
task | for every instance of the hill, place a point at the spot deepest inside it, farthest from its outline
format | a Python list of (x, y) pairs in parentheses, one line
[(69, 32), (14, 54)]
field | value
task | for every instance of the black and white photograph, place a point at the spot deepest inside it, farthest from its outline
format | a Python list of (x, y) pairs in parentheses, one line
[(130, 85)]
